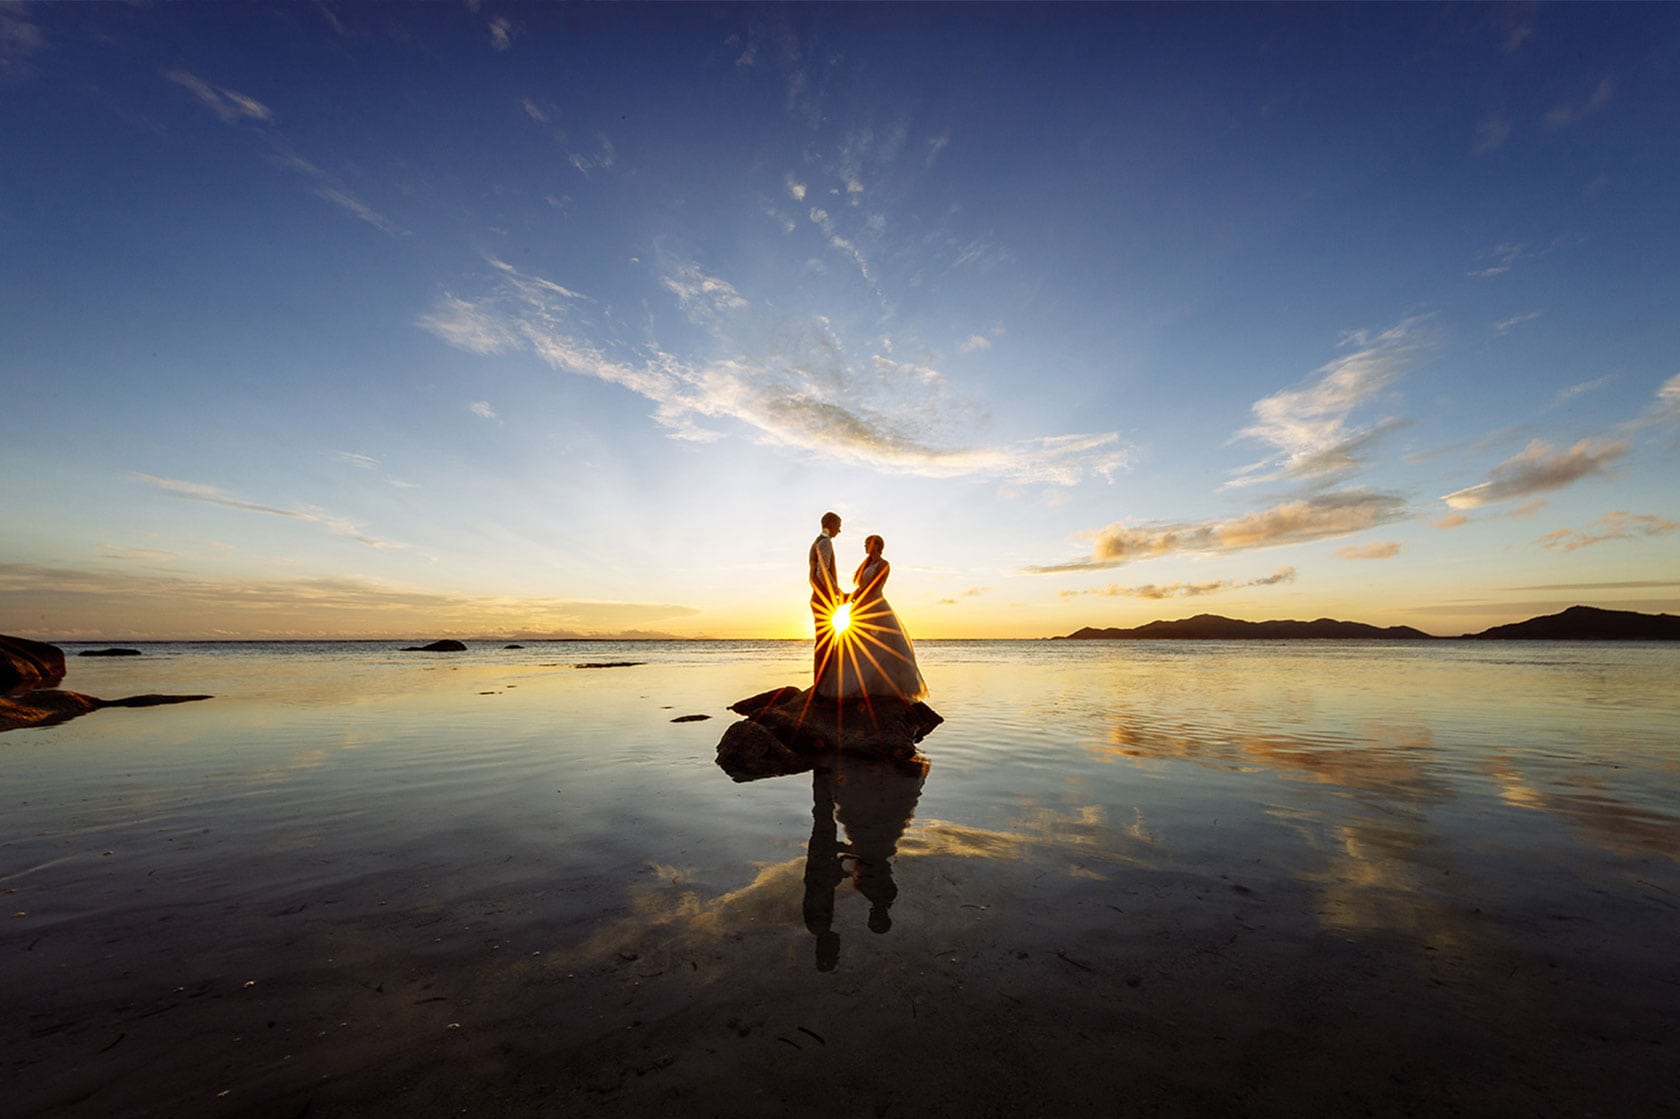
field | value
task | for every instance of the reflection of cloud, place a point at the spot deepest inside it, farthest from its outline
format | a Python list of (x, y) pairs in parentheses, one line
[(806, 391), (1369, 551), (1318, 517), (1309, 425), (1615, 525), (1537, 469), (1586, 803), (120, 603), (1186, 590)]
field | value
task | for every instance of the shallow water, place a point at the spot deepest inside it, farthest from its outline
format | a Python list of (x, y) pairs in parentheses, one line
[(1201, 850)]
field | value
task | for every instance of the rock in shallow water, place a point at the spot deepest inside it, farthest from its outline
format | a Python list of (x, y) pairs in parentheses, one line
[(447, 645), (803, 727), (26, 663)]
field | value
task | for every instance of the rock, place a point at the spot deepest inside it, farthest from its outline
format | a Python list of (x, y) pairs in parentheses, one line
[(611, 664), (691, 718), (109, 653), (748, 751), (49, 708), (810, 726), (26, 663), (445, 646), (513, 646)]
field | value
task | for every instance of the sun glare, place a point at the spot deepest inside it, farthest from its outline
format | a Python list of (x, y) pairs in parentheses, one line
[(841, 619)]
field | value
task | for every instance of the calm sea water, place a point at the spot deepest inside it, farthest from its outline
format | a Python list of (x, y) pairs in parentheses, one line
[(516, 822)]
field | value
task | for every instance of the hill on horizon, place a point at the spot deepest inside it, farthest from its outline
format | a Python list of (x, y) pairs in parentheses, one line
[(1578, 623)]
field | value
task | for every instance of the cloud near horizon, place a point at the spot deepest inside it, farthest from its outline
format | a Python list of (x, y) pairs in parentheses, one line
[(1184, 590), (1369, 551), (1614, 525), (213, 495), (1316, 517), (1538, 468), (208, 606), (812, 395)]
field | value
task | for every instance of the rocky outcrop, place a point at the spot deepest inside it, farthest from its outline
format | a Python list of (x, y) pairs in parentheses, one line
[(49, 707), (789, 730), (447, 645), (109, 653), (26, 664), (1213, 627)]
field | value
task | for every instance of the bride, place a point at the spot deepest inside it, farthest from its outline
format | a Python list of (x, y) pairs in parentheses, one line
[(874, 653)]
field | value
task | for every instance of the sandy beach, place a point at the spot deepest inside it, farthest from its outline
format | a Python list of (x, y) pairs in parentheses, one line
[(445, 888)]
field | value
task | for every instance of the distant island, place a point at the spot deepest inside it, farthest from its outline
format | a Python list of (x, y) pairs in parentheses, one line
[(1578, 623)]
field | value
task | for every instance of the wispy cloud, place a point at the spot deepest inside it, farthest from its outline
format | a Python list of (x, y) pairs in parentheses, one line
[(1450, 520), (1539, 468), (795, 188), (975, 342), (1491, 133), (1505, 326), (1318, 517), (501, 33), (354, 206), (806, 390), (1573, 112), (214, 495), (350, 458), (230, 106), (20, 41), (1184, 590), (482, 409), (1565, 395), (1500, 259), (601, 159), (1615, 525), (1309, 425), (1369, 551)]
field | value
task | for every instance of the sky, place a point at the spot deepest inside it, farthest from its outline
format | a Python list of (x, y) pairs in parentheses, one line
[(330, 319)]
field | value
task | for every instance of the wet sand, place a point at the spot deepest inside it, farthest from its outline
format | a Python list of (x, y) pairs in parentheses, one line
[(227, 937)]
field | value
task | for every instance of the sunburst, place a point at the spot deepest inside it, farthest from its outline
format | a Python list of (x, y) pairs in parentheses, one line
[(848, 637)]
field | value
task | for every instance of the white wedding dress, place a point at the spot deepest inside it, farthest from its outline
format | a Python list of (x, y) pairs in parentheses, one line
[(873, 656)]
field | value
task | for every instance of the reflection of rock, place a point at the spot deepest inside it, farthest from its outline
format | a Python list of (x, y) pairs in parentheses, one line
[(445, 646), (49, 708), (109, 653), (25, 662), (802, 724)]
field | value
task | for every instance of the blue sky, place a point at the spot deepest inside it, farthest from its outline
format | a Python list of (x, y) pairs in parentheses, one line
[(332, 319)]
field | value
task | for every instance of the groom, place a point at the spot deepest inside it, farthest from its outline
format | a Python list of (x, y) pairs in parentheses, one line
[(825, 592)]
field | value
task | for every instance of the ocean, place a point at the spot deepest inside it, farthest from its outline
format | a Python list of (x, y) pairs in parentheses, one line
[(1136, 877)]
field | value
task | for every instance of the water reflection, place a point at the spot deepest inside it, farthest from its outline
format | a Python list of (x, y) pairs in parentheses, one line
[(874, 802)]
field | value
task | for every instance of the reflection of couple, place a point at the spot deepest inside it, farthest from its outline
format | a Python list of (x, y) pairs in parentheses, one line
[(862, 650), (875, 801)]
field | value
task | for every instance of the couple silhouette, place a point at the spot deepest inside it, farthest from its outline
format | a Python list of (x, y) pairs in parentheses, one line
[(861, 648)]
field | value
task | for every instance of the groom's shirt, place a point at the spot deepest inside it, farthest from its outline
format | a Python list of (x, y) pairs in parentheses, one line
[(824, 583)]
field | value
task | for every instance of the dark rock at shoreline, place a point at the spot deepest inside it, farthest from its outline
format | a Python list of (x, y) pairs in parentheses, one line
[(109, 653), (1588, 623), (25, 663), (49, 708), (691, 718), (1213, 627), (611, 664), (445, 646), (513, 646), (789, 730)]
